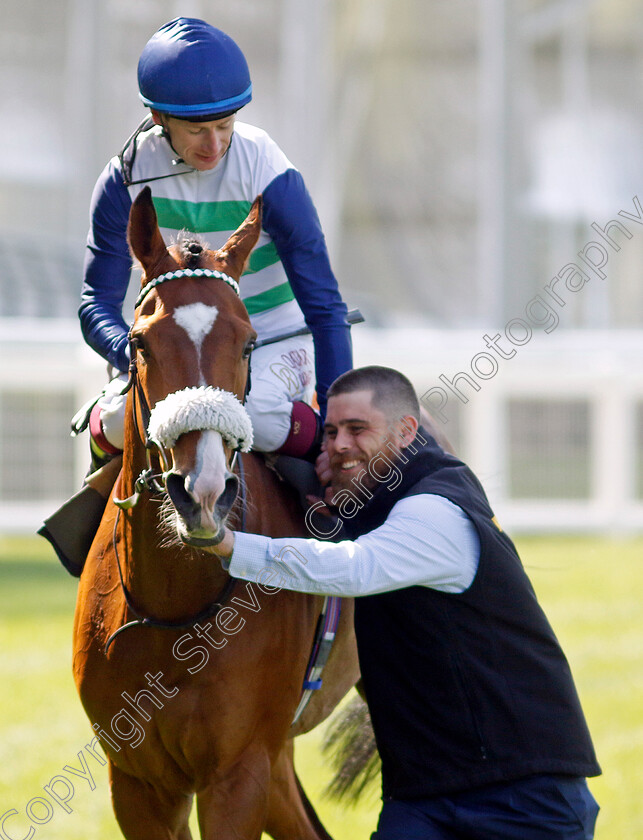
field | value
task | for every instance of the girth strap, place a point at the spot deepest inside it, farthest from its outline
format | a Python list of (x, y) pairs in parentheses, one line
[(322, 646)]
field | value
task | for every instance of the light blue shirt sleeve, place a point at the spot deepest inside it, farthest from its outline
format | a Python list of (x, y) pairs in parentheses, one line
[(426, 540)]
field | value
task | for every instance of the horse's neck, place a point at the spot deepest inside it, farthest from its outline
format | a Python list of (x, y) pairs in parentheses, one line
[(165, 580)]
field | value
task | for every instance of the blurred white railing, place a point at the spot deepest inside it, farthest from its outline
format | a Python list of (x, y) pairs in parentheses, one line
[(556, 373), (46, 373), (555, 433)]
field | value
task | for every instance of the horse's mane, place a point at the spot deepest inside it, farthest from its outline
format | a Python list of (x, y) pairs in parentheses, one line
[(191, 247)]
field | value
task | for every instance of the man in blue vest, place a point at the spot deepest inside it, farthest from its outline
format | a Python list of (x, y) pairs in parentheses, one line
[(474, 709)]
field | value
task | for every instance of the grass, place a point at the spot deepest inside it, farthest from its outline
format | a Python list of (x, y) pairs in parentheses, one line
[(590, 589)]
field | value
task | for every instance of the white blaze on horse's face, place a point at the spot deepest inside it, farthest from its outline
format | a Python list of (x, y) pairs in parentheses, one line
[(197, 320), (205, 480), (204, 492)]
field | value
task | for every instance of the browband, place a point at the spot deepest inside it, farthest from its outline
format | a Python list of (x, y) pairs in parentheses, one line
[(186, 272)]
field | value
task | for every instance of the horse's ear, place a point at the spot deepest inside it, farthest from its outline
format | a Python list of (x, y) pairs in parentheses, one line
[(143, 232), (233, 257)]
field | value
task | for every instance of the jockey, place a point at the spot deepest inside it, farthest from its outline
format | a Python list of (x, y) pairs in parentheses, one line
[(204, 170)]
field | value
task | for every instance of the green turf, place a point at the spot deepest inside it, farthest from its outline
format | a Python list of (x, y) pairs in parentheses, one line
[(591, 590), (589, 587)]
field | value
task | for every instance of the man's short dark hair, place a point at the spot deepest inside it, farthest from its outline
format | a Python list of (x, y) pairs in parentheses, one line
[(393, 393)]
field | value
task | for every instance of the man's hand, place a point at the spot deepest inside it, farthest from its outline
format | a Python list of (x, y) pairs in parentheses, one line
[(224, 548)]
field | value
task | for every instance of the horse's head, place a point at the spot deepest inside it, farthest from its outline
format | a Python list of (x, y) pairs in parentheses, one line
[(190, 344)]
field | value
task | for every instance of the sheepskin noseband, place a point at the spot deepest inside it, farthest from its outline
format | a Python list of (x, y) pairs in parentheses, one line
[(199, 409)]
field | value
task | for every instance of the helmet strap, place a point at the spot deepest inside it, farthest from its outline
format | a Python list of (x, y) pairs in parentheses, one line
[(165, 132), (128, 152)]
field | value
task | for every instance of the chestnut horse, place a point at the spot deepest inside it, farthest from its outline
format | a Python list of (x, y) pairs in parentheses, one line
[(191, 681)]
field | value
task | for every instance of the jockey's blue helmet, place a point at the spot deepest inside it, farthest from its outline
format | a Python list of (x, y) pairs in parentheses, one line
[(189, 69)]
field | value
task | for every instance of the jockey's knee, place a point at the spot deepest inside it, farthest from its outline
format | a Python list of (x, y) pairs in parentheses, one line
[(290, 428), (305, 433), (107, 422), (270, 422)]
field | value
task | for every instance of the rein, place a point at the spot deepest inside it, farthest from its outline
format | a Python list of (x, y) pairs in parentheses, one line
[(206, 613), (148, 478), (148, 620)]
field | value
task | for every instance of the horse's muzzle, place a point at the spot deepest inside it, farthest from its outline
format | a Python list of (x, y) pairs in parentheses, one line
[(198, 425), (199, 524)]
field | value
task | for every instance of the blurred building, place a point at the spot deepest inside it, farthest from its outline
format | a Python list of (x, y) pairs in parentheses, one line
[(458, 153)]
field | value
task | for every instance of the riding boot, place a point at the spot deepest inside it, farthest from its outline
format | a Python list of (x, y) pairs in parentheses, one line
[(72, 528), (300, 474)]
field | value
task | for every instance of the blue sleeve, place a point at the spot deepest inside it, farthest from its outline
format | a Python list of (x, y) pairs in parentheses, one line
[(108, 264), (291, 220)]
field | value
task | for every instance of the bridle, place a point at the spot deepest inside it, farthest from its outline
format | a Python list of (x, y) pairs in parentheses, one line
[(152, 480), (185, 272)]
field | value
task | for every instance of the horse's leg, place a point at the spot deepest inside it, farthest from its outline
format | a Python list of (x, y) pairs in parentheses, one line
[(290, 814), (234, 807), (144, 814)]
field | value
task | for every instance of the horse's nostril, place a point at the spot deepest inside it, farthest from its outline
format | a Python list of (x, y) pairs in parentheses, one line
[(190, 509), (226, 499), (186, 505)]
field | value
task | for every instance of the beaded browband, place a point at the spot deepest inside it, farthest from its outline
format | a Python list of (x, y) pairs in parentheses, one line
[(186, 272)]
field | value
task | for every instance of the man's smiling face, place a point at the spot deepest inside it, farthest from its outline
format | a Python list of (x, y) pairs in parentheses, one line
[(355, 432)]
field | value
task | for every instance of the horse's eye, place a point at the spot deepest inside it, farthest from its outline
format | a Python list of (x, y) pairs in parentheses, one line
[(138, 345), (247, 350)]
